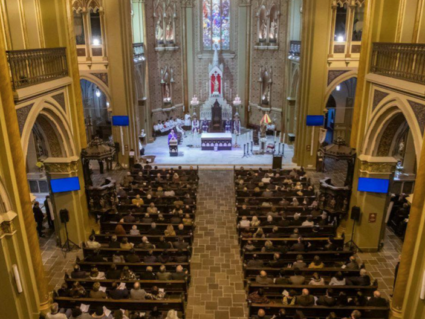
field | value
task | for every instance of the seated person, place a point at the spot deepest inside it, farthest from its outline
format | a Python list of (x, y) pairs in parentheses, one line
[(148, 274), (187, 221), (150, 258), (299, 263), (132, 257), (170, 231), (180, 256), (119, 229), (317, 280), (147, 219), (355, 315), (282, 279), (63, 291), (327, 300), (129, 218), (95, 257), (152, 209), (77, 273), (163, 274), (290, 299), (362, 280), (92, 243), (116, 292), (145, 244), (309, 222), (55, 313), (96, 274), (255, 262), (244, 223), (134, 231), (154, 230), (113, 273), (155, 294), (179, 274), (249, 247), (298, 246), (114, 242), (377, 300), (258, 297), (95, 293), (305, 300), (162, 244), (125, 244), (352, 264), (77, 290), (297, 278), (138, 201), (263, 279), (317, 263), (295, 234), (127, 274), (337, 280), (180, 244), (136, 293)]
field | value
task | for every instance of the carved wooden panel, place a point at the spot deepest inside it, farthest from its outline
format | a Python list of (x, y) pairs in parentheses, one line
[(81, 52)]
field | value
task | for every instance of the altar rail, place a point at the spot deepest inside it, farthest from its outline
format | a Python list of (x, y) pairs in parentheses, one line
[(30, 67), (404, 61)]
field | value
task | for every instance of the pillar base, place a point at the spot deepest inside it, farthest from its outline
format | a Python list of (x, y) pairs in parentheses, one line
[(395, 313), (45, 307)]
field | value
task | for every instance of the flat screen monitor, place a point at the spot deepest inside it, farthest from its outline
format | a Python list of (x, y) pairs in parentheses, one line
[(373, 185), (120, 120), (68, 184), (315, 120)]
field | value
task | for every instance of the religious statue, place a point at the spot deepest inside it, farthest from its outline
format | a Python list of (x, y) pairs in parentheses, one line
[(401, 148), (216, 85), (167, 96), (159, 32), (263, 30), (273, 30), (205, 125), (169, 32)]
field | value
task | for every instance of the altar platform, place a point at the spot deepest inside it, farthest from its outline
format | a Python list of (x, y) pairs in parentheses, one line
[(190, 153), (223, 141)]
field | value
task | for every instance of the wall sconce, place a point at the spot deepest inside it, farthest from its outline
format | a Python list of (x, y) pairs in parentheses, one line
[(338, 87), (98, 93)]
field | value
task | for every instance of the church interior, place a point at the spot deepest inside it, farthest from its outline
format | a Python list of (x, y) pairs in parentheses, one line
[(212, 159)]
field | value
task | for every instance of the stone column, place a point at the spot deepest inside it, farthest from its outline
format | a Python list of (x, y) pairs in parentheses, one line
[(410, 239), (371, 228), (63, 168), (18, 162)]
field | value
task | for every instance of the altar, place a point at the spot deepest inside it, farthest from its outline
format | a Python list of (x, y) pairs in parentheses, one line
[(223, 141)]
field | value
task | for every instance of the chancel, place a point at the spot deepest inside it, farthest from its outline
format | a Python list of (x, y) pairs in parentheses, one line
[(214, 159)]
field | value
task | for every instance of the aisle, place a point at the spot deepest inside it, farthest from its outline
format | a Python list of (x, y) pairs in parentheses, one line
[(216, 290)]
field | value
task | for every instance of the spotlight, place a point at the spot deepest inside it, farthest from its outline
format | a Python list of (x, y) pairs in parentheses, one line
[(96, 41), (340, 38), (97, 93), (338, 87)]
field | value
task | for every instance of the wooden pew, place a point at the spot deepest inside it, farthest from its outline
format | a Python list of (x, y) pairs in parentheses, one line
[(137, 239), (136, 267), (143, 227), (290, 257), (251, 272), (305, 231), (108, 252)]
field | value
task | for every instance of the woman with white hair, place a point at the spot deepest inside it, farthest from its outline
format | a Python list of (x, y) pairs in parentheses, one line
[(172, 314)]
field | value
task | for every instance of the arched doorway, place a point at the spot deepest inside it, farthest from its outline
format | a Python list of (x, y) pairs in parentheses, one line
[(97, 111), (340, 106)]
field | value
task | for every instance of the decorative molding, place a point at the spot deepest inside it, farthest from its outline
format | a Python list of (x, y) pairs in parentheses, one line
[(22, 114), (339, 48), (167, 109), (187, 3), (102, 76), (60, 98), (245, 3), (7, 224), (61, 165), (378, 97), (377, 167), (355, 48), (419, 110), (333, 74)]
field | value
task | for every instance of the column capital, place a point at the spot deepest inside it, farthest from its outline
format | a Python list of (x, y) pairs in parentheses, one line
[(377, 165), (7, 227), (245, 3), (65, 166), (187, 3)]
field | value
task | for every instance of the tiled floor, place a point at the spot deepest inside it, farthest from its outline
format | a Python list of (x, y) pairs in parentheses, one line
[(217, 290)]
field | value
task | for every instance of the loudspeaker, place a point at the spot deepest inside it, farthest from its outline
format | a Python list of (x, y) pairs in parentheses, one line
[(355, 213), (64, 216), (277, 161)]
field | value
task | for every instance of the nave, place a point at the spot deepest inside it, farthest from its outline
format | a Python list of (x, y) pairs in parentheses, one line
[(217, 288)]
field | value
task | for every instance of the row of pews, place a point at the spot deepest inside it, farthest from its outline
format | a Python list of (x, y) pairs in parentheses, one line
[(284, 236), (134, 244)]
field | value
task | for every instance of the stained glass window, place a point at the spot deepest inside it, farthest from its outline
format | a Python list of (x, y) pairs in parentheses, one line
[(216, 24)]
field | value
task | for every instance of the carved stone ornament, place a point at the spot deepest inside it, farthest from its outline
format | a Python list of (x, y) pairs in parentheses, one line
[(22, 114), (378, 97), (419, 110), (7, 227), (245, 3), (370, 167), (68, 168), (333, 74), (187, 3)]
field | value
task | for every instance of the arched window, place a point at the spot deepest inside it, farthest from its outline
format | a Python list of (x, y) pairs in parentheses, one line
[(216, 24)]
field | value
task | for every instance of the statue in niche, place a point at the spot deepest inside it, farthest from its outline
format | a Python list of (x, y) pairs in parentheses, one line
[(401, 148), (216, 85), (169, 32), (263, 30), (159, 32), (273, 30)]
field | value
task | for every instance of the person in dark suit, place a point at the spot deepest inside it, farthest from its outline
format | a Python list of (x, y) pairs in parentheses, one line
[(362, 280), (377, 301), (114, 242), (95, 257), (179, 274), (148, 274), (327, 300), (298, 246), (48, 212), (305, 299), (77, 273), (113, 272), (132, 257), (116, 293), (39, 217), (150, 258)]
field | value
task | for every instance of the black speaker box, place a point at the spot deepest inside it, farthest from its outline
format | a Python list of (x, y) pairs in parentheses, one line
[(355, 213), (277, 162), (64, 216)]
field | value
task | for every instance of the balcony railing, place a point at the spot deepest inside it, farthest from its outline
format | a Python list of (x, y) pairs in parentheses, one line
[(294, 49), (405, 61), (30, 67), (138, 52)]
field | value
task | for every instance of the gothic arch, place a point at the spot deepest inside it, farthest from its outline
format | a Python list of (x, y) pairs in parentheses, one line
[(51, 113), (99, 83), (4, 197), (387, 111), (332, 86)]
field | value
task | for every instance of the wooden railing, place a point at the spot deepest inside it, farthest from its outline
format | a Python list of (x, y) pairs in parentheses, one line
[(405, 61), (30, 67), (138, 52), (294, 49)]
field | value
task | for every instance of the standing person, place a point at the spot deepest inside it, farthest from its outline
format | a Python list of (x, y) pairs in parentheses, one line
[(38, 216), (47, 206)]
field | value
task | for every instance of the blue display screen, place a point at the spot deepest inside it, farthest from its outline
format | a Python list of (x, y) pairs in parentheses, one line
[(61, 185), (120, 120), (315, 120), (373, 185)]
